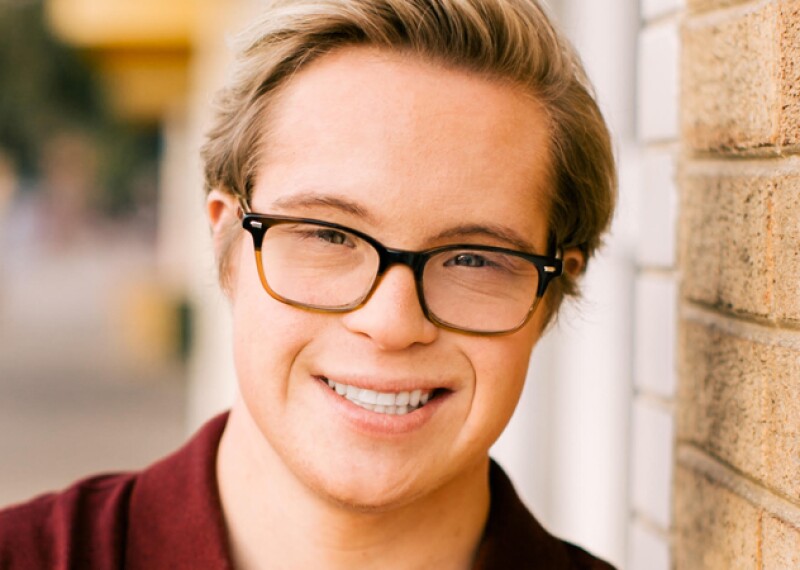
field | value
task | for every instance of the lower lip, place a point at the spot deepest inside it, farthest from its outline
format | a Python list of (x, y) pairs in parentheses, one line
[(377, 424)]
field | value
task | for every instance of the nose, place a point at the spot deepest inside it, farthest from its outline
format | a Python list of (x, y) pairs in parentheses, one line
[(392, 317)]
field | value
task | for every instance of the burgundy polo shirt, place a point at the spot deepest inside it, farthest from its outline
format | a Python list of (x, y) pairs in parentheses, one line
[(169, 516)]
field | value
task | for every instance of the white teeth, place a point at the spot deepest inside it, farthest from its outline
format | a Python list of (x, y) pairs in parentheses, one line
[(368, 396), (390, 403), (386, 399)]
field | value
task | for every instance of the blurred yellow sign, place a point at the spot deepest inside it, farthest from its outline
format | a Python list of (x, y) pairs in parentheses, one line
[(124, 23), (141, 48)]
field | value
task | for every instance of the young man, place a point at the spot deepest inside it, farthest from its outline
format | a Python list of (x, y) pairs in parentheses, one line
[(400, 193)]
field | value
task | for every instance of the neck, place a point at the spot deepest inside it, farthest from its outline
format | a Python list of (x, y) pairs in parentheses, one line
[(275, 521)]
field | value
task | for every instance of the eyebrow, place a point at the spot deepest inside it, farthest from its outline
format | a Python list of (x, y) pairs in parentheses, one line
[(313, 199), (488, 230)]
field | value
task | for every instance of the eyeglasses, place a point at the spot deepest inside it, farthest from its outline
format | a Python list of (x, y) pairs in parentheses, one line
[(322, 266)]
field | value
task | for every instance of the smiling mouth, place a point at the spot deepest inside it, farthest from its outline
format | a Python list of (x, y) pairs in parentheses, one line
[(391, 403)]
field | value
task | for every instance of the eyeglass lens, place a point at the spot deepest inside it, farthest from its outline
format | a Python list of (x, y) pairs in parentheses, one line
[(331, 269)]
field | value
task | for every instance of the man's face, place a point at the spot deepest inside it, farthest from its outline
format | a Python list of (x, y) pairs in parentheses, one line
[(417, 156)]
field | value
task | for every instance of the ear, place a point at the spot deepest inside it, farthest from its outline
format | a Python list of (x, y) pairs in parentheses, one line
[(574, 262), (222, 208)]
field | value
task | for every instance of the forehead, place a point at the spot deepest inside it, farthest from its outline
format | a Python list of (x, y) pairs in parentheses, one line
[(398, 133)]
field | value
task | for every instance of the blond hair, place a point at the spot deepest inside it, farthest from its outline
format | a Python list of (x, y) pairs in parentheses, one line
[(507, 40)]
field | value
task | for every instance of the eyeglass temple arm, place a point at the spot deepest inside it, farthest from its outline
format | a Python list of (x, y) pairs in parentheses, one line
[(244, 206), (553, 271)]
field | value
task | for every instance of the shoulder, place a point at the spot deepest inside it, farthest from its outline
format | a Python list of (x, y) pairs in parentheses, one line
[(513, 538), (124, 520), (87, 517), (582, 560)]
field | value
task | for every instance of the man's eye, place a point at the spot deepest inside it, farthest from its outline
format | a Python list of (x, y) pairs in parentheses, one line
[(332, 236), (468, 260)]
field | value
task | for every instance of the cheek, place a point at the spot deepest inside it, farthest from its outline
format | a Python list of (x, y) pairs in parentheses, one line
[(501, 365), (267, 336)]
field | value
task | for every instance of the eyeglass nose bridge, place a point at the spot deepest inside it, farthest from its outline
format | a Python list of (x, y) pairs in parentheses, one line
[(387, 258), (411, 259)]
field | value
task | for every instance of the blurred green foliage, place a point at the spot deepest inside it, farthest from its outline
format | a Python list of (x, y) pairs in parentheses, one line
[(47, 88)]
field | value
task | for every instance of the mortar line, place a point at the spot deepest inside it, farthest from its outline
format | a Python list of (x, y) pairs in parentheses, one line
[(667, 273), (671, 146), (761, 151), (673, 16), (656, 401), (641, 519), (768, 166), (721, 15), (700, 462), (766, 333)]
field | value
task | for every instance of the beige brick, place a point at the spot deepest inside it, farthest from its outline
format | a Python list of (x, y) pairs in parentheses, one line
[(741, 71), (780, 464), (719, 403), (726, 235), (780, 545), (787, 250), (740, 242), (732, 80), (739, 400), (715, 529), (698, 244), (790, 69)]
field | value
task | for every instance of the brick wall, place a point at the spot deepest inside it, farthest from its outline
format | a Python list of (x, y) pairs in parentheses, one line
[(736, 477), (716, 418), (657, 280)]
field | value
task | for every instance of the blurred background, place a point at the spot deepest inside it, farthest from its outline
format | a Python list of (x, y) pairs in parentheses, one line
[(94, 336), (114, 338)]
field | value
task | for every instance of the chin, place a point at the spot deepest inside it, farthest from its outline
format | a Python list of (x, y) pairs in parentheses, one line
[(364, 505), (365, 490)]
